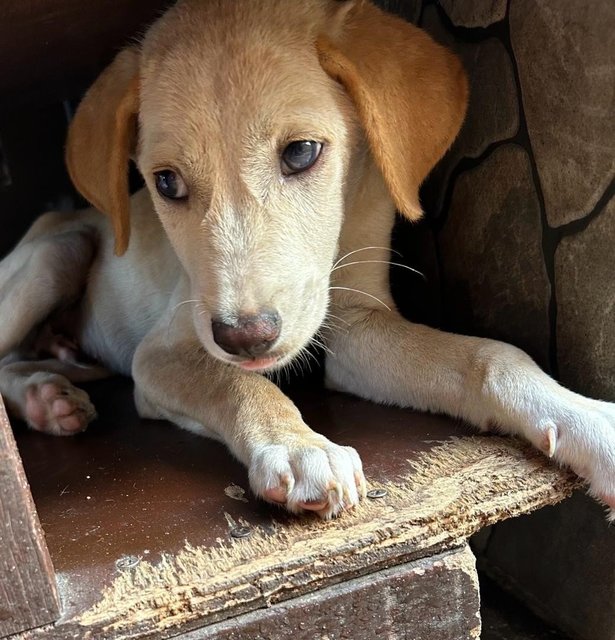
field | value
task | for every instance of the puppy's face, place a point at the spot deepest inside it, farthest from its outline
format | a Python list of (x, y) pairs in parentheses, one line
[(245, 144)]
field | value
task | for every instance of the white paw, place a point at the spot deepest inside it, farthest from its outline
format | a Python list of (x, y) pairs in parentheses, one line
[(583, 438), (55, 406), (317, 476)]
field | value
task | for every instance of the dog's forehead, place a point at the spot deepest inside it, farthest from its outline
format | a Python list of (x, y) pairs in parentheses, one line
[(220, 61), (209, 39)]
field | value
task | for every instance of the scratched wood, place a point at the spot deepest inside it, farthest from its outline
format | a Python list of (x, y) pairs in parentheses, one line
[(28, 596), (435, 598)]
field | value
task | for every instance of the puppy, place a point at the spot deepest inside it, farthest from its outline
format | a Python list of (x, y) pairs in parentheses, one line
[(276, 146)]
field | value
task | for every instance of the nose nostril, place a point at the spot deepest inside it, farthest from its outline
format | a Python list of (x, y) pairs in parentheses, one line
[(248, 335)]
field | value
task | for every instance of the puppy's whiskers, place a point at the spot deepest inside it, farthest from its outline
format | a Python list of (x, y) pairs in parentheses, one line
[(330, 328), (394, 264), (318, 340), (181, 304), (351, 253), (332, 316), (304, 358), (369, 295)]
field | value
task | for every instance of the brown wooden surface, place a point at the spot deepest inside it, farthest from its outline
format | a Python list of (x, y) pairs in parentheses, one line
[(28, 596), (53, 49), (433, 598), (119, 503)]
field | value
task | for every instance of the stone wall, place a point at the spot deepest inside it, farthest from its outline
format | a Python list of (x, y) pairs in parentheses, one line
[(521, 218), (521, 209)]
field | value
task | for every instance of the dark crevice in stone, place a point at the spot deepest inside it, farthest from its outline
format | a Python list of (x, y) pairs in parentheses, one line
[(507, 12), (472, 35), (438, 223), (419, 21), (495, 280), (576, 226), (465, 164), (549, 238), (556, 235), (5, 174), (400, 8)]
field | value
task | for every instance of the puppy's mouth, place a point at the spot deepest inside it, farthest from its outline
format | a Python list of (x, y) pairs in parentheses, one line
[(259, 364), (266, 363)]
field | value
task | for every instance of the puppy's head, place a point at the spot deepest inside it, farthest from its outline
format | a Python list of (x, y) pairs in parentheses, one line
[(250, 122)]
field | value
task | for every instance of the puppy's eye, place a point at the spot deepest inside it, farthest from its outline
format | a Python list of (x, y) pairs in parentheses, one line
[(171, 185), (300, 156)]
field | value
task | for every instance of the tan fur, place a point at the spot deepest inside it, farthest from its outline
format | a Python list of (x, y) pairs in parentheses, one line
[(410, 93), (215, 92)]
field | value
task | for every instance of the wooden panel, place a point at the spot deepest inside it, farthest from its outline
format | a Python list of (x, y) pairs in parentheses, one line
[(28, 596), (141, 517), (434, 598), (53, 49)]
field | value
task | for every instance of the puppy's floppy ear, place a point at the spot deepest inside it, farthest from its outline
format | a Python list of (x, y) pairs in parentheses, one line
[(410, 94), (101, 138)]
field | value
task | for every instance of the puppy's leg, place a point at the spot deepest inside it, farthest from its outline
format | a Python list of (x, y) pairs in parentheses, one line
[(490, 384), (41, 393), (288, 463), (47, 269)]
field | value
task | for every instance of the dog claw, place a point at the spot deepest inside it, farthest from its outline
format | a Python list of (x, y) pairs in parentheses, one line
[(550, 441), (361, 484)]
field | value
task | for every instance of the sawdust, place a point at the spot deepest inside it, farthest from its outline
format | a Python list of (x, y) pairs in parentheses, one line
[(450, 492), (235, 492)]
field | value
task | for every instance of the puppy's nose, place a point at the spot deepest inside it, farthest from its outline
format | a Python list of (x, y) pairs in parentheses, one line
[(248, 335)]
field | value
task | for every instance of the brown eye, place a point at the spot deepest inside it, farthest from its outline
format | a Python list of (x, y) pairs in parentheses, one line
[(300, 156), (170, 185)]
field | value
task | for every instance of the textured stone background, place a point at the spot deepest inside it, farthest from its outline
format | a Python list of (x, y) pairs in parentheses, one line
[(521, 221), (519, 209)]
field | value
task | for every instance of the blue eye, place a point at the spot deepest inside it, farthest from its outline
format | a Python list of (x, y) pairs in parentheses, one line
[(170, 185), (300, 156)]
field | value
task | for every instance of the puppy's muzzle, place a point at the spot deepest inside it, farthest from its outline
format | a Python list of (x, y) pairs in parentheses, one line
[(247, 335)]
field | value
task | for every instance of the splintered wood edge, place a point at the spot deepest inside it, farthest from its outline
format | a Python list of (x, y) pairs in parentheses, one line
[(451, 491), (31, 589)]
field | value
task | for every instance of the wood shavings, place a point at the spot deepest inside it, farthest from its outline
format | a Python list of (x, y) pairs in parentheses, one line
[(235, 492), (451, 492)]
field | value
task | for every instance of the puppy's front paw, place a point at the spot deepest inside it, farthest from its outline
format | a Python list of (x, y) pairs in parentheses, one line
[(584, 439), (600, 469), (53, 405), (315, 475)]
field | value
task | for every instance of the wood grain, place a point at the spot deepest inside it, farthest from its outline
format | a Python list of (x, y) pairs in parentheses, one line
[(28, 596), (435, 598), (139, 523)]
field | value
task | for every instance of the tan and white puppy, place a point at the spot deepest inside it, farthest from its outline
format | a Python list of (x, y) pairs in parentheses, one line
[(276, 142)]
